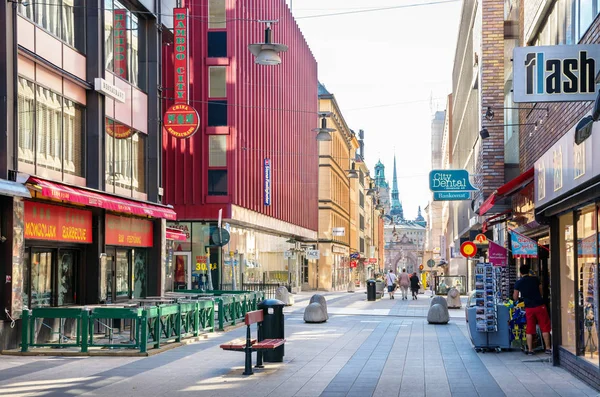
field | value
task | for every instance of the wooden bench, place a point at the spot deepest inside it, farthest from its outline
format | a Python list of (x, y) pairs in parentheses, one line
[(249, 344)]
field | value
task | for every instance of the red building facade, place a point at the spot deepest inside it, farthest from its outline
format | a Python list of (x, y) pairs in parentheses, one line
[(254, 156)]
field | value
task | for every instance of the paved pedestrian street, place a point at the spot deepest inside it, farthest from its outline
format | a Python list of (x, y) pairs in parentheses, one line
[(383, 348)]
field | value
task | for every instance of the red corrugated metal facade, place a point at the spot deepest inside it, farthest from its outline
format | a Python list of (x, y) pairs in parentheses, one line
[(271, 112)]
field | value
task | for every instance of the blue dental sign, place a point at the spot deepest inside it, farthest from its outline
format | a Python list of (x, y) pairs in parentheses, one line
[(450, 181), (555, 73), (267, 186)]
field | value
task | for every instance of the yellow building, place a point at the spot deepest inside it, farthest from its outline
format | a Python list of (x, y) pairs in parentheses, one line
[(335, 229)]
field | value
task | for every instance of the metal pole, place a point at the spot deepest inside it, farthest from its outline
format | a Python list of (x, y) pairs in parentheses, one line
[(318, 209)]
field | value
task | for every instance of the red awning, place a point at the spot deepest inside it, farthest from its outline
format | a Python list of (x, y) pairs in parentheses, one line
[(508, 189), (175, 234), (94, 198)]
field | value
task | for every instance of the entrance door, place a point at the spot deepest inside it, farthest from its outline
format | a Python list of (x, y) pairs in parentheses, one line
[(117, 274), (305, 284), (182, 278)]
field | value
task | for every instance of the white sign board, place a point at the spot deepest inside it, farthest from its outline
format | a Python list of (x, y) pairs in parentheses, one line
[(312, 254), (557, 73), (108, 89), (289, 255), (339, 231)]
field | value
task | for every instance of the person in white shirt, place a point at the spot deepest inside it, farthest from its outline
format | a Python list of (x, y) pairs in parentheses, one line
[(391, 283)]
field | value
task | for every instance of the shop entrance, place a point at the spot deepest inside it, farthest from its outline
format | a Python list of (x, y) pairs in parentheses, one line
[(125, 273), (182, 278)]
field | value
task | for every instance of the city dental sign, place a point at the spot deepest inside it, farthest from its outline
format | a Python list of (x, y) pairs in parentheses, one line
[(556, 73), (450, 185)]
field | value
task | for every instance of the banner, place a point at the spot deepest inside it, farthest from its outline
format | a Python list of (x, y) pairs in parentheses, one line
[(498, 254), (181, 58), (523, 247), (267, 182)]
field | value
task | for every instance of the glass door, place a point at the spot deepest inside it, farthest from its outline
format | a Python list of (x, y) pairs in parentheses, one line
[(41, 277), (183, 271), (67, 277), (122, 271)]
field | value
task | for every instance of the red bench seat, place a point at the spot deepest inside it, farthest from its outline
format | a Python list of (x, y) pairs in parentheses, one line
[(236, 344), (268, 344)]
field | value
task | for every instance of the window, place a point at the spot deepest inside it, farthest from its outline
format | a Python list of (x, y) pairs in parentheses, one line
[(217, 113), (217, 151), (51, 129), (216, 14), (64, 19), (217, 82), (361, 199), (122, 42), (125, 158), (362, 244), (217, 182), (362, 222), (567, 22), (567, 285), (50, 277), (217, 44)]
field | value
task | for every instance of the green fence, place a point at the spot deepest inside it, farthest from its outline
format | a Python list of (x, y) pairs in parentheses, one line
[(150, 326)]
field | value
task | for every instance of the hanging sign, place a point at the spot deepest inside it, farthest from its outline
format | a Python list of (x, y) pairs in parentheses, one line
[(181, 121), (120, 43), (56, 223), (498, 255), (481, 239), (128, 232), (181, 56), (468, 249), (450, 181), (353, 264), (523, 247), (267, 175), (312, 254), (555, 73)]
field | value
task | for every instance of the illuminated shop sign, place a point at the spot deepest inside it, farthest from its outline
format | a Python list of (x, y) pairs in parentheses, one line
[(56, 223), (180, 63), (120, 43)]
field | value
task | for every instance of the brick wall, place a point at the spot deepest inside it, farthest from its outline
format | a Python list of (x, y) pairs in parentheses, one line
[(490, 164)]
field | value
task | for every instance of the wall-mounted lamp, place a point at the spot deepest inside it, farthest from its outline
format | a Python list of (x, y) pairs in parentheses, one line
[(583, 130), (267, 53), (352, 173), (324, 133), (371, 192), (489, 113)]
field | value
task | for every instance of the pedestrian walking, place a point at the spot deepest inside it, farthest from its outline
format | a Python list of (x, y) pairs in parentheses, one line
[(404, 282), (414, 285), (536, 313), (391, 283)]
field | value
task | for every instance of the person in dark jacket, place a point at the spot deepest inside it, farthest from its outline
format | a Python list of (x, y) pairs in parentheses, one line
[(414, 285)]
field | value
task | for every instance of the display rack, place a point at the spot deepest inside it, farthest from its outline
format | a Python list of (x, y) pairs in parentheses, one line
[(486, 297)]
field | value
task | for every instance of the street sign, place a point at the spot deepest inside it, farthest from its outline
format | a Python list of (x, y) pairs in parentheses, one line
[(431, 263), (420, 267), (450, 181), (353, 264), (339, 231), (451, 196), (220, 237), (468, 249), (289, 255), (312, 254)]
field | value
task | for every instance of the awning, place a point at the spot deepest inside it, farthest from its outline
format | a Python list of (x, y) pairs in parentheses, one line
[(94, 198), (14, 189), (175, 234), (506, 190), (494, 220)]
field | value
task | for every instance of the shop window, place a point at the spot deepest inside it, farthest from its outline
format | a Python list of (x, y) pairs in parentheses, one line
[(217, 182), (587, 254), (50, 277), (64, 19), (217, 113), (567, 282), (126, 155), (217, 44), (66, 277), (51, 130), (122, 33), (217, 82), (216, 14)]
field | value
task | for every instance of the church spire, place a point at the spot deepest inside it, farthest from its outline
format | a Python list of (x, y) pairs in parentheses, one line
[(396, 204)]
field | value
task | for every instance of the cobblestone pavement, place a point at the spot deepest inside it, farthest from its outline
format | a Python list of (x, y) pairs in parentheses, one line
[(365, 349)]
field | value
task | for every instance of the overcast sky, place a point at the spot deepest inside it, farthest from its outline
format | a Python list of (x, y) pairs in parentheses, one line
[(383, 67)]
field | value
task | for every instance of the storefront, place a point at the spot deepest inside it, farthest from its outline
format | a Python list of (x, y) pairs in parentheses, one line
[(567, 197)]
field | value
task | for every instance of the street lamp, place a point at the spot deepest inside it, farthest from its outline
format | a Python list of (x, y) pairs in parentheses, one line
[(352, 173), (324, 133), (267, 53)]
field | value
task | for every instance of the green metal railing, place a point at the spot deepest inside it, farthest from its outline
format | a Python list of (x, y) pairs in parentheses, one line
[(150, 326)]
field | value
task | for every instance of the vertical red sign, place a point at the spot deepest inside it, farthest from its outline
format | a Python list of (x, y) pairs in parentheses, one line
[(180, 26), (120, 43)]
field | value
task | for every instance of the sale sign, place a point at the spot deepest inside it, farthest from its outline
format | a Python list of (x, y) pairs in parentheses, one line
[(128, 232), (120, 42), (181, 121), (56, 223), (181, 58)]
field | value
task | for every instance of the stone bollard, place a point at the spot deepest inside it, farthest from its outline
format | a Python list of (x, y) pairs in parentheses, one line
[(316, 311), (282, 294), (438, 314), (439, 300), (351, 287), (454, 299)]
